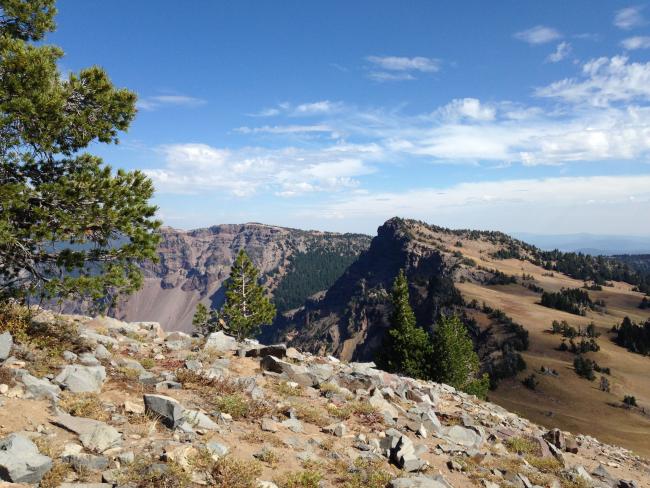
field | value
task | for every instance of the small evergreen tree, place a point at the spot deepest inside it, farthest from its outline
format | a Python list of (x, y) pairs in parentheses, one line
[(407, 348), (206, 321), (246, 308), (454, 360)]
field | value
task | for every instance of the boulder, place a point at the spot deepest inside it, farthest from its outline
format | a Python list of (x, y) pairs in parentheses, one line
[(170, 411), (277, 350), (384, 407), (95, 435), (39, 389), (20, 461), (463, 436), (6, 343), (221, 342), (296, 373), (199, 420), (81, 379), (419, 482), (556, 437)]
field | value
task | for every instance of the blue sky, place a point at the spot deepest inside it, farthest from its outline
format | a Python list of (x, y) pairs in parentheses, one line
[(516, 116)]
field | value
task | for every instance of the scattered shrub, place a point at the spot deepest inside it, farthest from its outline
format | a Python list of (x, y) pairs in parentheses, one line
[(630, 401), (531, 382)]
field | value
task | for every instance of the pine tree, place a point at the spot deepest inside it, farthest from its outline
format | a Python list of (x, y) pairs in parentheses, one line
[(246, 308), (407, 347), (206, 321), (69, 224), (454, 360)]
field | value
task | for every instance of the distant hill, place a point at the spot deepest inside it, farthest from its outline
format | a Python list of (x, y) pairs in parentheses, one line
[(496, 283), (593, 244)]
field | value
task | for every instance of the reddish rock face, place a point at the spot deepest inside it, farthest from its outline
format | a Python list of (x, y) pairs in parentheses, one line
[(194, 264)]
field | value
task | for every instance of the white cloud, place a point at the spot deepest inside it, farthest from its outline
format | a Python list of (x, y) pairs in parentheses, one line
[(400, 68), (196, 168), (315, 108), (284, 129), (400, 63), (637, 42), (469, 108), (562, 50), (160, 101), (386, 76), (539, 34), (604, 81), (629, 18)]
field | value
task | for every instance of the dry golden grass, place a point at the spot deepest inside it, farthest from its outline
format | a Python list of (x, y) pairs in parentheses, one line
[(83, 405)]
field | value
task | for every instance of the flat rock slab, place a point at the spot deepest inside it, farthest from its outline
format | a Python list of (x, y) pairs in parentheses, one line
[(419, 482), (221, 342), (82, 379), (20, 461), (170, 411), (94, 435), (6, 343)]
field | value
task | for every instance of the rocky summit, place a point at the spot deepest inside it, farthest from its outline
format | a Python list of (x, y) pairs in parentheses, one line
[(110, 403)]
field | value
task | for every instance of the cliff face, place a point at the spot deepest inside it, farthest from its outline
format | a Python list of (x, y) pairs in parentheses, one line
[(350, 320), (193, 266)]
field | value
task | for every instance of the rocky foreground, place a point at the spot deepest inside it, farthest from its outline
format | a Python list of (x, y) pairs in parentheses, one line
[(103, 403)]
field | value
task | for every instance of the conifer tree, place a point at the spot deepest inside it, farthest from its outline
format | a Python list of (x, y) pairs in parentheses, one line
[(407, 347), (206, 321), (69, 224), (454, 360), (246, 308)]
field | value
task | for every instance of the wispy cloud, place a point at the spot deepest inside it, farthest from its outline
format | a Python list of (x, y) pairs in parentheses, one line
[(562, 50), (637, 42), (320, 107), (539, 34), (400, 68), (629, 18), (289, 171), (284, 129), (467, 108), (604, 81), (160, 101)]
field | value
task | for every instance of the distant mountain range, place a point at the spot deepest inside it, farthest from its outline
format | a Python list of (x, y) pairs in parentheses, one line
[(593, 244)]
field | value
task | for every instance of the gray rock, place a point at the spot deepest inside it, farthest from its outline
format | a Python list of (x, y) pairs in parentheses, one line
[(81, 379), (169, 410), (39, 389), (6, 343), (277, 350), (126, 457), (419, 482), (294, 425), (20, 461), (193, 364), (221, 342), (95, 436), (69, 356), (296, 373), (199, 420), (101, 352), (86, 461), (462, 436), (88, 359), (217, 449), (377, 401), (339, 429), (269, 425)]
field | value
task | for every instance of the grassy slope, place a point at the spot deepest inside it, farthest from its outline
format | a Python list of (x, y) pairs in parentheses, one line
[(568, 402)]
